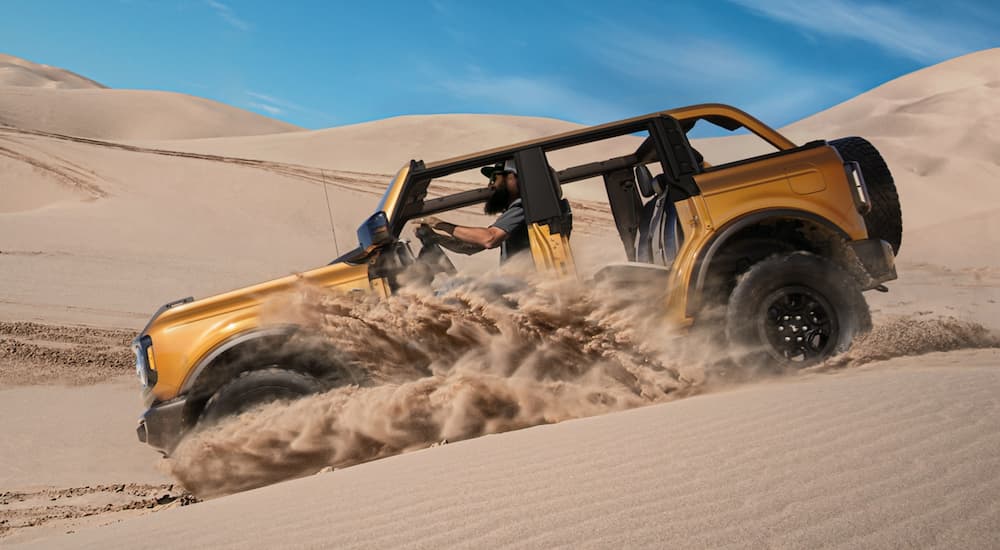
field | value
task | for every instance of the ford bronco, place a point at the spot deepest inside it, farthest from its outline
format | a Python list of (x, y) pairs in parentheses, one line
[(779, 246)]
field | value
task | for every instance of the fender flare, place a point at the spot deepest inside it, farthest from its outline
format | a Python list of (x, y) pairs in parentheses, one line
[(702, 263), (230, 343)]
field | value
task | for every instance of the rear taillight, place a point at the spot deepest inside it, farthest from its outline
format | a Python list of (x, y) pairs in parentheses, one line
[(858, 188)]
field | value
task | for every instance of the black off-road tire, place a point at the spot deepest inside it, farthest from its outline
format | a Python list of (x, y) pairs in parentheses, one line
[(795, 296), (885, 220), (255, 388)]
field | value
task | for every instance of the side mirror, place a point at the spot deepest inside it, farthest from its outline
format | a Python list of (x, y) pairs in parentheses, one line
[(374, 231)]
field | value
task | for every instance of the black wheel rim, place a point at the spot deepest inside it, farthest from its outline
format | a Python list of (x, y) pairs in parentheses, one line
[(799, 325)]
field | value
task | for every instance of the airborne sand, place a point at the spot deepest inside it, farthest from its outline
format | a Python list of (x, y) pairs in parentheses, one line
[(899, 452)]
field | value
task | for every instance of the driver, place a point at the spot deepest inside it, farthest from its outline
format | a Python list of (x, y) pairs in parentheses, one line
[(509, 231)]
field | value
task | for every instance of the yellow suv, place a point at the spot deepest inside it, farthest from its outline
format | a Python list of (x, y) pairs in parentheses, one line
[(783, 244)]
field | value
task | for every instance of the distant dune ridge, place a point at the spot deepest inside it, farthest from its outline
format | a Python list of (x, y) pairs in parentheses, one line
[(39, 97), (115, 201), (385, 145), (15, 71), (941, 148)]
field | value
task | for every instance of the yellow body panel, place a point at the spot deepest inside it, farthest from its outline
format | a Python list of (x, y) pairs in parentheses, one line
[(185, 334), (691, 213), (811, 180), (550, 251), (391, 197)]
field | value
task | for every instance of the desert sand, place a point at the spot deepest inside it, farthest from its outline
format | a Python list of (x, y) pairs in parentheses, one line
[(867, 458), (104, 218)]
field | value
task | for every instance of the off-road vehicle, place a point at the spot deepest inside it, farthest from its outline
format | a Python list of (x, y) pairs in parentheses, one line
[(783, 244)]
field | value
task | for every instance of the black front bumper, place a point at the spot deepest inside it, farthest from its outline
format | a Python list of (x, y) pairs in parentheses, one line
[(877, 259), (163, 425)]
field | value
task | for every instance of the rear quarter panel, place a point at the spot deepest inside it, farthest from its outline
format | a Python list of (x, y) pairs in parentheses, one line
[(810, 180)]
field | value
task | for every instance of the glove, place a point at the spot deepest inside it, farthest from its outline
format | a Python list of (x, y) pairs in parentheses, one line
[(437, 225), (429, 220)]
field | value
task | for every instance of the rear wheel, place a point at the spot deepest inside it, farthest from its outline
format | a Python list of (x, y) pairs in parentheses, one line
[(885, 220), (255, 388), (793, 311)]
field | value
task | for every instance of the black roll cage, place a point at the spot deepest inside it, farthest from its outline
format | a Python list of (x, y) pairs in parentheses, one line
[(667, 143)]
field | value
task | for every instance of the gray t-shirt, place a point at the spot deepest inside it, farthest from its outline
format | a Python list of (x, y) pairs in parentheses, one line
[(512, 221)]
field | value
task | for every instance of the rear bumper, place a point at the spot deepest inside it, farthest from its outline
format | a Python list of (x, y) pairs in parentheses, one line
[(162, 425), (877, 259)]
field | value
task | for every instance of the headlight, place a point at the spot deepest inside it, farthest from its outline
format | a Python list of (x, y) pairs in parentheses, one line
[(144, 369)]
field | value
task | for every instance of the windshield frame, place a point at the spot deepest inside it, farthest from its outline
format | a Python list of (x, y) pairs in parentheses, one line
[(390, 198)]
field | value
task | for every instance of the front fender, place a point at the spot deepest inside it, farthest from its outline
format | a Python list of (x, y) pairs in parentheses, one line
[(231, 343)]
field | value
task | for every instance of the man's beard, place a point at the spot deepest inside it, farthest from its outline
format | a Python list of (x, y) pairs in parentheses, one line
[(498, 201)]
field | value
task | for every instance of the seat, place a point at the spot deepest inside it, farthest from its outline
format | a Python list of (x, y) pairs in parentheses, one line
[(659, 234)]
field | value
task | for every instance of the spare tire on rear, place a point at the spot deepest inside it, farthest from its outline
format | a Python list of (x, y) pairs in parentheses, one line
[(885, 220)]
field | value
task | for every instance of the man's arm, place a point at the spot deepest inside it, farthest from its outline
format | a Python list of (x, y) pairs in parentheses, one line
[(456, 245), (486, 237), (482, 237), (492, 236)]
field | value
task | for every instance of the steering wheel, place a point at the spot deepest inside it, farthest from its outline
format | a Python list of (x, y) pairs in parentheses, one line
[(431, 253)]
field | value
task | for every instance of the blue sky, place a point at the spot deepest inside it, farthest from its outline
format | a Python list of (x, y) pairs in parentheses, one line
[(327, 63)]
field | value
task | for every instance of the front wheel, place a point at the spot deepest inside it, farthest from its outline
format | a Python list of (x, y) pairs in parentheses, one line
[(255, 388), (793, 311)]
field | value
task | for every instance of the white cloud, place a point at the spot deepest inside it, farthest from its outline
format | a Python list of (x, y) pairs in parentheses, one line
[(676, 59), (269, 109), (695, 69), (895, 29), (275, 101), (228, 15), (526, 95), (276, 106)]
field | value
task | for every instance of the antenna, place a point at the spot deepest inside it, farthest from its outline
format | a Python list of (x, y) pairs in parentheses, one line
[(329, 211)]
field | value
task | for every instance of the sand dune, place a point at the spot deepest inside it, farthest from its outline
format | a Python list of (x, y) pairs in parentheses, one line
[(900, 454), (72, 240), (114, 201), (68, 460), (147, 222), (15, 71), (383, 145), (63, 192), (39, 97), (129, 114), (90, 430)]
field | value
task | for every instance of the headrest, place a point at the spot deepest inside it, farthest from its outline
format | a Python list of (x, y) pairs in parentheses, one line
[(644, 180), (648, 185)]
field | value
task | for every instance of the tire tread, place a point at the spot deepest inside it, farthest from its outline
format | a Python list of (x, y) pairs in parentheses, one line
[(885, 220), (306, 380)]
